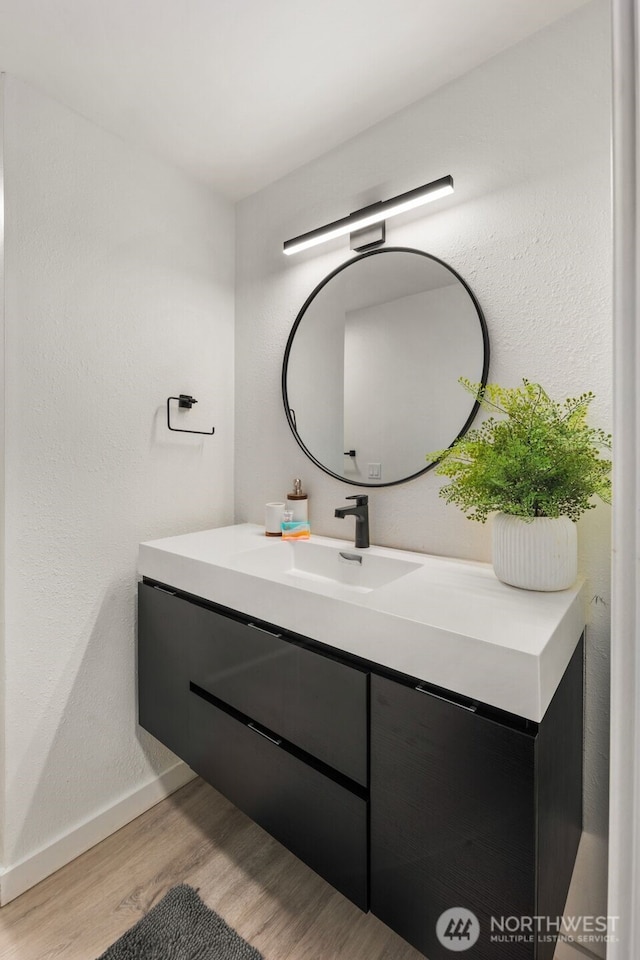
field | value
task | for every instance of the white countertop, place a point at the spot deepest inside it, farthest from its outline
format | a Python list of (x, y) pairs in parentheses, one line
[(449, 622)]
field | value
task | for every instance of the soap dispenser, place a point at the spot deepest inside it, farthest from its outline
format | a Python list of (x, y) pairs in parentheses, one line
[(297, 502)]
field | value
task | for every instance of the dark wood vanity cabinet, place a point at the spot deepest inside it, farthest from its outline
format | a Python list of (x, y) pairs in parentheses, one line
[(406, 801)]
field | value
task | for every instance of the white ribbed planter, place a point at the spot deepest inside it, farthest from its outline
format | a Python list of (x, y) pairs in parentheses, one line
[(540, 554)]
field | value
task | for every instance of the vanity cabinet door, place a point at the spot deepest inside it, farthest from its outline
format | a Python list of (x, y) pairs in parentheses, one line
[(311, 700), (163, 670), (452, 818)]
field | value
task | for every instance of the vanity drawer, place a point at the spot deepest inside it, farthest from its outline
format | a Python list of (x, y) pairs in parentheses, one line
[(320, 821), (163, 669), (315, 702)]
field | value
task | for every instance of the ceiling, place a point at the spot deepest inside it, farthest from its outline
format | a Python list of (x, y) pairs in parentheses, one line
[(240, 92)]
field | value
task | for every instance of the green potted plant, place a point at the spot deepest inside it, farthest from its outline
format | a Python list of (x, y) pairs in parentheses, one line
[(537, 468)]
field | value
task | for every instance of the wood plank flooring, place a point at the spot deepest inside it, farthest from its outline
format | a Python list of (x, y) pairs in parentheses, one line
[(195, 836)]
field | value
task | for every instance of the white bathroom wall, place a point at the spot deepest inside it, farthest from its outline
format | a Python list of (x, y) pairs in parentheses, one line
[(2, 686), (119, 293), (526, 137)]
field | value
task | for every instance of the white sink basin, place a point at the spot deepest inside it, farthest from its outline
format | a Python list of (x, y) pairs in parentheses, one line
[(310, 563)]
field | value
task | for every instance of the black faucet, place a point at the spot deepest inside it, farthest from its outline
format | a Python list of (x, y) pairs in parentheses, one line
[(361, 512)]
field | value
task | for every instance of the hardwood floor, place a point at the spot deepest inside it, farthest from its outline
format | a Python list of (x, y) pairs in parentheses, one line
[(195, 836)]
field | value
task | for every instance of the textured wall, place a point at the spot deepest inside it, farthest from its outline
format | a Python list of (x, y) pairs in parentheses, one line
[(2, 419), (526, 138), (119, 293)]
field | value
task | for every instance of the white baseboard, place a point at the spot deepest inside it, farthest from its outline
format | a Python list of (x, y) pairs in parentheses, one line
[(21, 876)]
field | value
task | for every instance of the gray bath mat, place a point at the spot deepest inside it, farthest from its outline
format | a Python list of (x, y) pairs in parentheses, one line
[(181, 927)]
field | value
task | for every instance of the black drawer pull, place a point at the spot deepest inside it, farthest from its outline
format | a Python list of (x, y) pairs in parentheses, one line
[(171, 593), (270, 633), (262, 733), (456, 703)]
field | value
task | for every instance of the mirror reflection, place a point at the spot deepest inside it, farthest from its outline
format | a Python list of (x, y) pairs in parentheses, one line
[(371, 368)]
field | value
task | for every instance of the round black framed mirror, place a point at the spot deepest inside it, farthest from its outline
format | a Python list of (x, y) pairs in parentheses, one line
[(371, 367)]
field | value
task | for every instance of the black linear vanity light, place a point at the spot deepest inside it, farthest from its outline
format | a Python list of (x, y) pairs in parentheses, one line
[(375, 213)]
